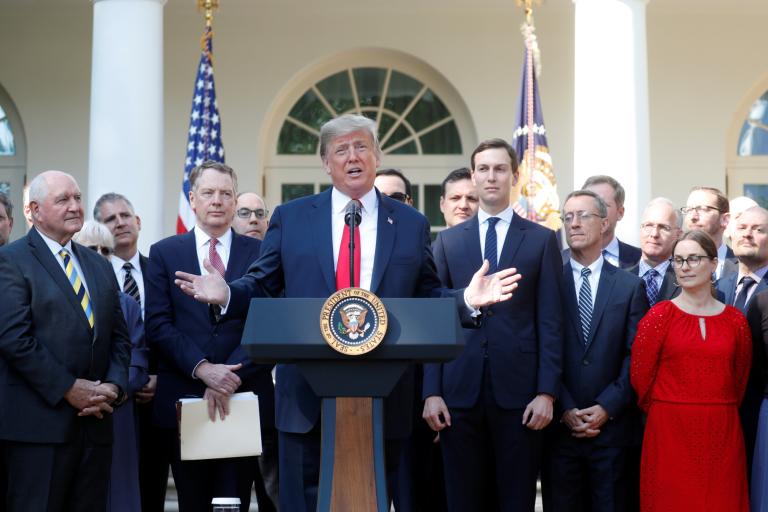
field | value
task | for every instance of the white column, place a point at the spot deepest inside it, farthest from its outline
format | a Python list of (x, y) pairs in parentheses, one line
[(126, 139), (611, 102)]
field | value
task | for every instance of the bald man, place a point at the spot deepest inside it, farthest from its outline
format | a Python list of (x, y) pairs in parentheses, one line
[(251, 216)]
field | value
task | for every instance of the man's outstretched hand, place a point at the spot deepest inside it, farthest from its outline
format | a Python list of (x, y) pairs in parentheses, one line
[(211, 288), (484, 290)]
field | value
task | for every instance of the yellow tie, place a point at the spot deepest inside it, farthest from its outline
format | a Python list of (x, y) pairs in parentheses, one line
[(77, 285)]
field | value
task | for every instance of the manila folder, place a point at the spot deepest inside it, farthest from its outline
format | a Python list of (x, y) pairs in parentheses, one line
[(238, 435)]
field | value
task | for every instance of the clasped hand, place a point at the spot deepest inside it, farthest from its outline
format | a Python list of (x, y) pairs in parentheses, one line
[(586, 422), (92, 398)]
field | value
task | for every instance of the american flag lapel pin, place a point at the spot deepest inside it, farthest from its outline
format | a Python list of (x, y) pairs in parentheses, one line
[(389, 219)]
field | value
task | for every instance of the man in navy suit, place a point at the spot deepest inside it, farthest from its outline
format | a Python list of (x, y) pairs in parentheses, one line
[(659, 230), (299, 258), (130, 266), (64, 355), (750, 245), (708, 209), (598, 419), (497, 396), (200, 354)]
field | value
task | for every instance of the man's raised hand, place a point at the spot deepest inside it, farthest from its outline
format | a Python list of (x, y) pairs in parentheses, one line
[(211, 288)]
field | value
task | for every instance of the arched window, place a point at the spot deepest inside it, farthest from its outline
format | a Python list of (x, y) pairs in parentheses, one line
[(7, 144), (753, 140), (13, 160), (747, 146)]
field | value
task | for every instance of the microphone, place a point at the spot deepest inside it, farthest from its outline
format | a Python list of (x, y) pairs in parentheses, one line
[(353, 214)]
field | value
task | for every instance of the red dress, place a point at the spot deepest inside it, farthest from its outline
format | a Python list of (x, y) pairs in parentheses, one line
[(690, 387)]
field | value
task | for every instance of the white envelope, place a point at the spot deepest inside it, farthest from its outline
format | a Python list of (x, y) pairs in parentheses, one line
[(239, 435)]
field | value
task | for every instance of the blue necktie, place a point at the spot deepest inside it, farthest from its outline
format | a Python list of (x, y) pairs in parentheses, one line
[(491, 246), (651, 288), (585, 303), (741, 299)]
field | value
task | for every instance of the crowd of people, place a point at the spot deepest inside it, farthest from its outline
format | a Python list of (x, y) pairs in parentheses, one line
[(622, 378)]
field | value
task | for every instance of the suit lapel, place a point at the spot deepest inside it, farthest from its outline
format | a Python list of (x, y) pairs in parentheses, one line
[(729, 287), (513, 241), (320, 224), (472, 243), (572, 301), (42, 253), (668, 284), (604, 290), (238, 258), (385, 239)]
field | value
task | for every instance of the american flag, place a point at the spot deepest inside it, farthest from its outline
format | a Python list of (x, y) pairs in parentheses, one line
[(204, 142)]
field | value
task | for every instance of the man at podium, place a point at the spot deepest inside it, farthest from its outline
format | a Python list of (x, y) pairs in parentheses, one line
[(306, 254)]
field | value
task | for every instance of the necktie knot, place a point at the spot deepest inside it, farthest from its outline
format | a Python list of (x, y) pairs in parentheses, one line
[(64, 253), (585, 272), (492, 222), (747, 282), (651, 274), (127, 266), (741, 299)]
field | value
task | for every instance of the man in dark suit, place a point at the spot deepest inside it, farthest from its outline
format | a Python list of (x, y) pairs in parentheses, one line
[(299, 258), (750, 245), (598, 419), (64, 355), (198, 354), (494, 399), (130, 267), (659, 230), (616, 252), (708, 209)]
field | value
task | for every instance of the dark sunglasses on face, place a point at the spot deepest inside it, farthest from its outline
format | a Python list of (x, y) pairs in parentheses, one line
[(245, 213), (104, 251), (399, 196)]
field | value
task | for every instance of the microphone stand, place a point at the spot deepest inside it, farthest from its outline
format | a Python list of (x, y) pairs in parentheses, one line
[(352, 225)]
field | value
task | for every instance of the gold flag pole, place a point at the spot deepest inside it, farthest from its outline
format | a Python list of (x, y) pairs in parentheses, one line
[(208, 6)]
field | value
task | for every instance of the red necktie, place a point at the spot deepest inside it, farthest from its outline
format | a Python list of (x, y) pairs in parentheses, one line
[(214, 258), (342, 268)]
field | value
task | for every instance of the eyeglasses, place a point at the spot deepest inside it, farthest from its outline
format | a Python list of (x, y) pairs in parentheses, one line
[(687, 210), (581, 216), (649, 227), (104, 251), (245, 213), (399, 196), (693, 260)]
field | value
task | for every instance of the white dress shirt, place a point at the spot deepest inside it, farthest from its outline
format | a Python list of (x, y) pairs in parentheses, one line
[(757, 275), (722, 251), (55, 247), (594, 278), (203, 242), (502, 227), (368, 230), (611, 252), (138, 276)]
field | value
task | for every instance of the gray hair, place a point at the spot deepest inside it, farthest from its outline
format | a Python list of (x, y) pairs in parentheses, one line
[(109, 197), (600, 179), (602, 208), (6, 202), (344, 125), (95, 232), (666, 202)]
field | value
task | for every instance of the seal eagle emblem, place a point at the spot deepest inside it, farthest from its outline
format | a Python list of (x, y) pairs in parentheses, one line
[(353, 321)]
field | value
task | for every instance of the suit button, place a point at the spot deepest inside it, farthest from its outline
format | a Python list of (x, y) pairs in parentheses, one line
[(490, 312), (585, 362)]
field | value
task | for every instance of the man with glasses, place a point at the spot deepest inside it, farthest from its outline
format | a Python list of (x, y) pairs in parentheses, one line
[(660, 227), (707, 209), (598, 421), (251, 216), (394, 184), (750, 245)]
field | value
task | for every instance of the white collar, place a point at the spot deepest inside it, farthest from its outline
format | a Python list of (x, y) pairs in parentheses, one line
[(340, 200), (506, 215), (202, 238)]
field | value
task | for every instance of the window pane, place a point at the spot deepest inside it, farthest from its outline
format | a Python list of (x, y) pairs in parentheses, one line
[(310, 110), (385, 124), (444, 140), (427, 112), (370, 84), (402, 89), (325, 186), (754, 134), (296, 190), (400, 133), (415, 196), (338, 92), (405, 149), (432, 205), (296, 141), (7, 145)]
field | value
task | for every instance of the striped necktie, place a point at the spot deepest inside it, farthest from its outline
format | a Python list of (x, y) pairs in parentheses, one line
[(491, 246), (585, 303), (130, 286), (77, 285), (651, 288)]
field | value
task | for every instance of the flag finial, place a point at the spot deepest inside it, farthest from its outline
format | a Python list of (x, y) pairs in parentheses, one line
[(208, 6), (528, 6)]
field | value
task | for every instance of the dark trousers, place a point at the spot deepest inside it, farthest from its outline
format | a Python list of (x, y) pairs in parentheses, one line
[(265, 473), (483, 432), (199, 481), (154, 461), (585, 477), (57, 477)]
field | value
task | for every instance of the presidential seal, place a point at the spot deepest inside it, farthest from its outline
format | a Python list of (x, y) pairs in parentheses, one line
[(353, 321)]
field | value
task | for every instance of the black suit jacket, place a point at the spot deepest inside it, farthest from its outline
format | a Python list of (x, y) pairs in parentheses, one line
[(596, 370), (46, 342), (629, 255), (669, 289)]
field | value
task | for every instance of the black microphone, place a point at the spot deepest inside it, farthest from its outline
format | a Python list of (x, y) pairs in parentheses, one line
[(352, 218)]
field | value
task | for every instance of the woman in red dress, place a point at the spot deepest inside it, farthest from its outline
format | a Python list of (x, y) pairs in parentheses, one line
[(689, 366)]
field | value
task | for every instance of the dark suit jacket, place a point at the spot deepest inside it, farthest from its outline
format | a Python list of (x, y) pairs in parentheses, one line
[(669, 290), (726, 288), (46, 342), (297, 261), (629, 255), (599, 373), (185, 332), (522, 336)]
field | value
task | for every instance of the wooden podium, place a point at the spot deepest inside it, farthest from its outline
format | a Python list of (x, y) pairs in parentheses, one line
[(352, 470)]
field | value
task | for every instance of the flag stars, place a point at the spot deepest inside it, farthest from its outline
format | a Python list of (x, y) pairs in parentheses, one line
[(198, 99)]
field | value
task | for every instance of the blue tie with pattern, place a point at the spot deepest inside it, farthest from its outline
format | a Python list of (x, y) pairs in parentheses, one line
[(741, 299), (651, 288), (585, 303), (491, 247)]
